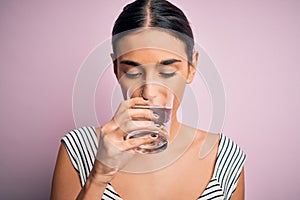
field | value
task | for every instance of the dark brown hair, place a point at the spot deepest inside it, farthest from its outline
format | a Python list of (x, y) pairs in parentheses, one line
[(158, 14)]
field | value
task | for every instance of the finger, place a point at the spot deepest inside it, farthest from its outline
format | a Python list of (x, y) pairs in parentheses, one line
[(136, 142), (128, 126), (131, 126), (125, 105), (136, 113), (132, 102), (137, 101), (122, 111)]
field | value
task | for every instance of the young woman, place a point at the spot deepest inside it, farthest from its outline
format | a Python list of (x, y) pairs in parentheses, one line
[(152, 42)]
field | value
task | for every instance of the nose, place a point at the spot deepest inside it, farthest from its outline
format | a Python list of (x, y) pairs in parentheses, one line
[(149, 92)]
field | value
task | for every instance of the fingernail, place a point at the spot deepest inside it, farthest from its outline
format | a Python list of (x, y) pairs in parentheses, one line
[(156, 115), (154, 135), (157, 125)]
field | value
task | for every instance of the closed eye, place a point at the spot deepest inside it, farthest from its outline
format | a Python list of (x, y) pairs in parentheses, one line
[(132, 75), (167, 74)]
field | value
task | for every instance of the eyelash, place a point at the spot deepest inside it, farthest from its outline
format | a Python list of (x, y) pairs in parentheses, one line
[(134, 75), (167, 75)]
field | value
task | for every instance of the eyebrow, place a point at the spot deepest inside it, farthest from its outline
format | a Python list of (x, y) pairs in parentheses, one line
[(129, 62), (135, 64), (169, 62)]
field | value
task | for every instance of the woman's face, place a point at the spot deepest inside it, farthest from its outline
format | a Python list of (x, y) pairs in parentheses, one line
[(156, 61)]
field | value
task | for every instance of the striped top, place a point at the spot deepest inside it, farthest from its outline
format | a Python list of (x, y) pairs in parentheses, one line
[(82, 144)]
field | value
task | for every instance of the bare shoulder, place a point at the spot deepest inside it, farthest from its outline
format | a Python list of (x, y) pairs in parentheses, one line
[(97, 130), (239, 193), (65, 183)]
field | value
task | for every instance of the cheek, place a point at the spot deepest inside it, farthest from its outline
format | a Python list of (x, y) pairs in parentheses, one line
[(177, 86), (179, 91), (180, 82), (125, 83), (124, 87)]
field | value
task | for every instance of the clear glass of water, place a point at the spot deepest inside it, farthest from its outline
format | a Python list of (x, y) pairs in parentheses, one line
[(161, 104)]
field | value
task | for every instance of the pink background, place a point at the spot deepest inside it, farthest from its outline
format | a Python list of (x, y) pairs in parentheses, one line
[(254, 44)]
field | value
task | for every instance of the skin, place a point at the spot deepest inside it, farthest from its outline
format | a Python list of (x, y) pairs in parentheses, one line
[(140, 58)]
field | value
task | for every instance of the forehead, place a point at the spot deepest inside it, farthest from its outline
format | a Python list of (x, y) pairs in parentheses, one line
[(149, 38)]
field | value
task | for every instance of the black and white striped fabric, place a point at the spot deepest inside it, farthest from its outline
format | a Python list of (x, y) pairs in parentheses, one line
[(82, 144)]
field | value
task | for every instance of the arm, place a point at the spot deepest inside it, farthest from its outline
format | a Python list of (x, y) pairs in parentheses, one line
[(239, 193), (66, 182), (113, 153)]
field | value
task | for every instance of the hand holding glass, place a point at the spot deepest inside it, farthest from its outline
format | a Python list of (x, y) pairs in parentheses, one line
[(161, 104)]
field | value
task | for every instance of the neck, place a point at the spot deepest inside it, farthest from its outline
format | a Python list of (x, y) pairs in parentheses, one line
[(174, 127)]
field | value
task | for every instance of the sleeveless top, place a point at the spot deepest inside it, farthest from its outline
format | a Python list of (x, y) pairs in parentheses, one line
[(82, 145)]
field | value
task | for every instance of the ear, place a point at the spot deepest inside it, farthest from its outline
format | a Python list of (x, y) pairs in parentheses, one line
[(192, 68), (114, 60)]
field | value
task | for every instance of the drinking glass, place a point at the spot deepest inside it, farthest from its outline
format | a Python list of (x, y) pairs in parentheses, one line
[(161, 104)]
